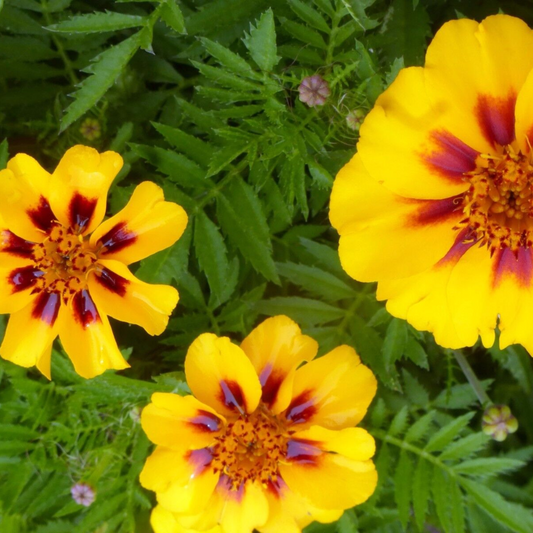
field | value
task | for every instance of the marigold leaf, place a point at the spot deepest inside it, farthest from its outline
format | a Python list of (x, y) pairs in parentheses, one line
[(172, 16), (420, 428), (304, 34), (228, 59), (395, 341), (305, 311), (402, 486), (241, 216), (464, 447), (97, 22), (315, 281), (4, 154), (441, 489), (484, 467), (399, 422), (104, 71), (309, 15), (512, 515), (212, 257), (421, 490), (446, 434), (261, 42)]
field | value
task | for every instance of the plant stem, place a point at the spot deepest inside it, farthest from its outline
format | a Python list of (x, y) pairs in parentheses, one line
[(482, 396)]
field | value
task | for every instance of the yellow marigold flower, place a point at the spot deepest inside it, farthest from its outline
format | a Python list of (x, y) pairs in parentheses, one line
[(264, 443), (437, 205), (63, 271)]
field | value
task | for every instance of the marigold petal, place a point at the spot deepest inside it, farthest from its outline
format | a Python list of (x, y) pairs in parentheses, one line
[(79, 186), (87, 338), (524, 116), (331, 480), (276, 348), (221, 376), (164, 521), (172, 420), (119, 294), (412, 234), (333, 391), (481, 69), (31, 331), (24, 185), (16, 286), (145, 226), (424, 159)]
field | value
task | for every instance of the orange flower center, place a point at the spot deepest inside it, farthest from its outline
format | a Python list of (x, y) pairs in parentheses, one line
[(499, 204), (250, 448), (65, 260)]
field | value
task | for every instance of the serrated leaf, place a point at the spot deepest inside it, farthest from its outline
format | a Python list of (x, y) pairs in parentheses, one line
[(225, 156), (459, 396), (104, 71), (178, 167), (395, 341), (227, 79), (304, 34), (4, 154), (212, 257), (324, 254), (440, 487), (261, 42), (399, 422), (190, 145), (446, 434), (416, 393), (464, 447), (242, 219), (420, 428), (321, 177), (228, 59), (305, 311), (16, 21), (172, 16), (309, 15), (517, 518), (356, 9), (98, 22), (421, 490), (402, 486), (315, 281), (488, 466)]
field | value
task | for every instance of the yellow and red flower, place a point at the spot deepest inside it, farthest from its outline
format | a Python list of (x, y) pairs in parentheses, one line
[(264, 443), (437, 205), (63, 271)]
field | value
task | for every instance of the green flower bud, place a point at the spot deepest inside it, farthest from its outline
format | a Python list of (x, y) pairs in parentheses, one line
[(498, 422)]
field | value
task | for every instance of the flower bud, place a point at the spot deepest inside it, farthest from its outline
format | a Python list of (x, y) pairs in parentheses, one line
[(354, 119), (498, 422), (90, 129), (314, 90)]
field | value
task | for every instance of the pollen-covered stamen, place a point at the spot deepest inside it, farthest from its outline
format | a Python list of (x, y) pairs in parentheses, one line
[(499, 204), (250, 449), (65, 260)]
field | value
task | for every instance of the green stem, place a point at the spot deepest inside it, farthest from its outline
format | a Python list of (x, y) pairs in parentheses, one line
[(60, 50), (482, 396)]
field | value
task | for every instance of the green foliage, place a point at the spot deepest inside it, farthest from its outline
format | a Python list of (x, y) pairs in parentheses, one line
[(201, 96)]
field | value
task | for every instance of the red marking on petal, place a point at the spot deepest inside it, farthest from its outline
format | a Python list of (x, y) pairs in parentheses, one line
[(302, 408), (117, 238), (12, 244), (496, 118), (81, 210), (46, 307), (225, 486), (436, 211), (205, 421), (459, 248), (42, 215), (232, 396), (304, 452), (111, 281), (518, 265), (270, 383), (200, 459), (451, 157), (84, 308), (24, 278)]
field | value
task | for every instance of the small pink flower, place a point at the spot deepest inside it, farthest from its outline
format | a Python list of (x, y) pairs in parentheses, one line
[(314, 90), (83, 494)]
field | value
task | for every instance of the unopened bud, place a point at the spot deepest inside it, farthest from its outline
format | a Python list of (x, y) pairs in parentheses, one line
[(90, 129), (354, 119), (314, 90), (498, 422)]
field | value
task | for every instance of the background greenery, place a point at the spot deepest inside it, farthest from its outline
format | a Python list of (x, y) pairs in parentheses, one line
[(201, 97)]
